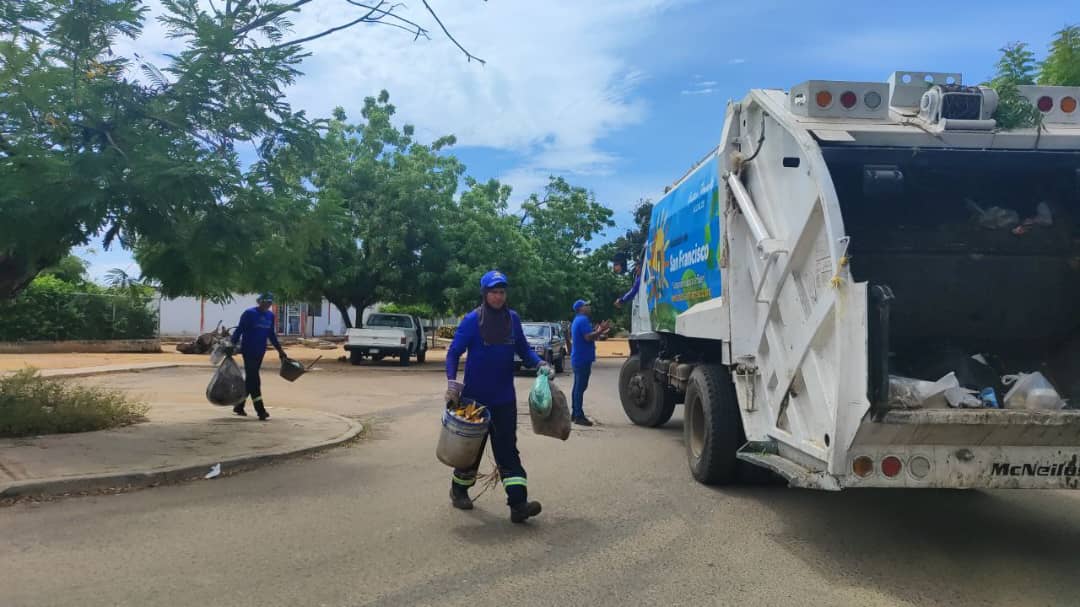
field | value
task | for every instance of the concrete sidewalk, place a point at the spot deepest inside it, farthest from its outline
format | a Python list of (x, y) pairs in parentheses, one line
[(179, 442)]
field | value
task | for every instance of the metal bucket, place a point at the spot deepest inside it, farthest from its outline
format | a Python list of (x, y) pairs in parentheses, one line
[(460, 441)]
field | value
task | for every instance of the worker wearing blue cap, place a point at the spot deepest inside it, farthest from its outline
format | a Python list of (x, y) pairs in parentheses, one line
[(492, 334), (255, 327), (582, 356)]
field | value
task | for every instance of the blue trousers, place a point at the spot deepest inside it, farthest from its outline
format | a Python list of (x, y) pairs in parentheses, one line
[(581, 384), (503, 435)]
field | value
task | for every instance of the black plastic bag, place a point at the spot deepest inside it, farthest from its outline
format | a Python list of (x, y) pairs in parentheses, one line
[(226, 387)]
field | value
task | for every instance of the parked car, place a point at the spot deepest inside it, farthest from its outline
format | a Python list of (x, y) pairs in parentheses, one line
[(394, 335), (548, 340)]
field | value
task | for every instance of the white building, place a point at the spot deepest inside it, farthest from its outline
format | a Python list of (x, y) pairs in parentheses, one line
[(192, 316)]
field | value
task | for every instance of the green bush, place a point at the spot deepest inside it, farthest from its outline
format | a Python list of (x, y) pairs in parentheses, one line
[(54, 309), (31, 405), (446, 332)]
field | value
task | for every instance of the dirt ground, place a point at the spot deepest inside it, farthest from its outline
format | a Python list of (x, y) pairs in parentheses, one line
[(615, 348)]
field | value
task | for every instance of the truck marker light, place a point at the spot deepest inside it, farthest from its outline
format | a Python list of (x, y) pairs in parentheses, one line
[(872, 100), (1045, 103), (919, 467), (1068, 104), (848, 99), (824, 98), (862, 466), (891, 466)]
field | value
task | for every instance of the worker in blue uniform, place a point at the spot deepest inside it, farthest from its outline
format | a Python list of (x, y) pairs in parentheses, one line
[(255, 327), (492, 334)]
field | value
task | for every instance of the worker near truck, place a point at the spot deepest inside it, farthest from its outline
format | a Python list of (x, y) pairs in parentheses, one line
[(256, 326), (632, 293), (491, 335), (582, 356)]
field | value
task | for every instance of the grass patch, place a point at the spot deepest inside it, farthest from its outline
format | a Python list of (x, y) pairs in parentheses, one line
[(31, 405)]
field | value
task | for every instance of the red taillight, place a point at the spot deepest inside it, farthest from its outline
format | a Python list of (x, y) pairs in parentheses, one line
[(1045, 104), (823, 98), (891, 465), (403, 341), (1068, 104), (848, 100)]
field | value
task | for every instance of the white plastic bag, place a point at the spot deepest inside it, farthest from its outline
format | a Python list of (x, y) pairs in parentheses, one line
[(226, 387), (1031, 391)]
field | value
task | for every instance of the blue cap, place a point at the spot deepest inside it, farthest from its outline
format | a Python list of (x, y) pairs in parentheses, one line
[(494, 279), (579, 304), (268, 296)]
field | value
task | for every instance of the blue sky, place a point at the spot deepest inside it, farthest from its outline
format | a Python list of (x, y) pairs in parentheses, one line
[(622, 96)]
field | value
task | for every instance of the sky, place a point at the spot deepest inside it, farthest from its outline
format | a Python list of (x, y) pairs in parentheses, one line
[(619, 96)]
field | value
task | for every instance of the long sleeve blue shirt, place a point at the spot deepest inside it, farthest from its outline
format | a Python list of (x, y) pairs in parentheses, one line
[(489, 368), (254, 329), (633, 290)]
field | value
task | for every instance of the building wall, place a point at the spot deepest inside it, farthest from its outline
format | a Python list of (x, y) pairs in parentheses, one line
[(191, 316)]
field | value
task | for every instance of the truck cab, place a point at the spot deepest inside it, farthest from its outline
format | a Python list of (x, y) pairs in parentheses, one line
[(400, 336), (847, 288)]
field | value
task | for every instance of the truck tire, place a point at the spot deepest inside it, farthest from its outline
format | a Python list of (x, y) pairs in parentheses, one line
[(421, 357), (560, 363), (644, 400), (356, 357), (403, 360), (712, 426)]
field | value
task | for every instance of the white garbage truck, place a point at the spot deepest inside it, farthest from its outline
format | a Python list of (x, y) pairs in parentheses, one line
[(870, 284)]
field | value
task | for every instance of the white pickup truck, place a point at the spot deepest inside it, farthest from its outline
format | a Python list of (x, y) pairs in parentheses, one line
[(388, 335), (847, 239)]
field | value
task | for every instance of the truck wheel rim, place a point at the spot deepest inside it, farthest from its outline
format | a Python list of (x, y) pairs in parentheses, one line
[(639, 391)]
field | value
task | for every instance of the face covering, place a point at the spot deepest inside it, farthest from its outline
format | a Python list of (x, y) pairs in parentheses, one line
[(495, 326)]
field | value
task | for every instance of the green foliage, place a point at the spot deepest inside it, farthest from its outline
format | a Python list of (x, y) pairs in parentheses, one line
[(422, 311), (32, 405), (1015, 67), (70, 269), (54, 309), (1062, 65)]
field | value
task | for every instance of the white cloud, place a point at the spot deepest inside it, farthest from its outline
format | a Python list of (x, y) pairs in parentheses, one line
[(737, 61), (556, 80), (704, 91)]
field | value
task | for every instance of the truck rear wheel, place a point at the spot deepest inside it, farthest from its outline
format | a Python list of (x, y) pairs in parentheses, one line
[(356, 357), (421, 357), (712, 427), (644, 400), (404, 360)]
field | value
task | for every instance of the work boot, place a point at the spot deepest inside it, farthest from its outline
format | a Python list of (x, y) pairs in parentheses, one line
[(460, 498), (239, 410), (260, 410), (582, 421), (520, 512)]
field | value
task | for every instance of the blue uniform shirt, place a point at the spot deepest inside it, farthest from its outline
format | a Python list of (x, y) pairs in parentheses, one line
[(254, 329), (489, 368), (584, 351)]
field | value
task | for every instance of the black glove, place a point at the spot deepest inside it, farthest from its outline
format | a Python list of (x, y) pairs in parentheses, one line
[(281, 355)]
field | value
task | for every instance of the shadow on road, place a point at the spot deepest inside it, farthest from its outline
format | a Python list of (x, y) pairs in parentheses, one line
[(1000, 548)]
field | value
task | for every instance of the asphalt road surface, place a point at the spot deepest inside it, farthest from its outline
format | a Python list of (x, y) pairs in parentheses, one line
[(623, 524)]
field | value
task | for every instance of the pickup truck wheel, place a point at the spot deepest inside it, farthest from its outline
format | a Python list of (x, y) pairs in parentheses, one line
[(404, 360), (712, 426), (421, 357), (644, 400), (356, 357), (560, 363)]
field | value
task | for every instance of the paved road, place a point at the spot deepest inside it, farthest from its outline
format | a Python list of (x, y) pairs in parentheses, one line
[(623, 524)]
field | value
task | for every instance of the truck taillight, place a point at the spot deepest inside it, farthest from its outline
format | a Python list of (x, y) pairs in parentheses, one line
[(848, 99), (872, 100), (1045, 103), (862, 466), (1068, 105), (891, 466), (824, 98), (403, 341)]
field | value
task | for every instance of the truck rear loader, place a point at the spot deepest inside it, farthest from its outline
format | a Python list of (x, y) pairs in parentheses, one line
[(846, 239)]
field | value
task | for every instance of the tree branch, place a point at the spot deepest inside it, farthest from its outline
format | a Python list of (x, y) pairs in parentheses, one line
[(468, 55), (267, 18)]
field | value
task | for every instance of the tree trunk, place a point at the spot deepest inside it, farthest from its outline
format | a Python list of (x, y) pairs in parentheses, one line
[(343, 308)]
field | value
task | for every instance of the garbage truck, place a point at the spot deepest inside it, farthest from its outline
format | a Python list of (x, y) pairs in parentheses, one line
[(843, 290)]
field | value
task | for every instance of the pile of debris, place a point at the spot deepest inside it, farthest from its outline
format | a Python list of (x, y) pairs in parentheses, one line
[(976, 385), (204, 343), (318, 344)]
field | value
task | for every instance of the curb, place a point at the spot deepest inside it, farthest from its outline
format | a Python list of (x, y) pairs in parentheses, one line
[(151, 478)]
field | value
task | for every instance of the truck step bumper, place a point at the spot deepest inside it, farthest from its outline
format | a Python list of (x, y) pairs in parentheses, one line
[(766, 456)]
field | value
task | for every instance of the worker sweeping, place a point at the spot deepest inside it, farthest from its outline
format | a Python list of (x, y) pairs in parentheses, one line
[(255, 327), (491, 335)]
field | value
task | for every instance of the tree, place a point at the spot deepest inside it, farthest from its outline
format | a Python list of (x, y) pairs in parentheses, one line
[(70, 269), (1015, 67), (632, 243), (389, 193), (1062, 65), (87, 149)]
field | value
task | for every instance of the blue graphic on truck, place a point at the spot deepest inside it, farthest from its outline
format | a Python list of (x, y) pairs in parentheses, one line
[(683, 267)]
